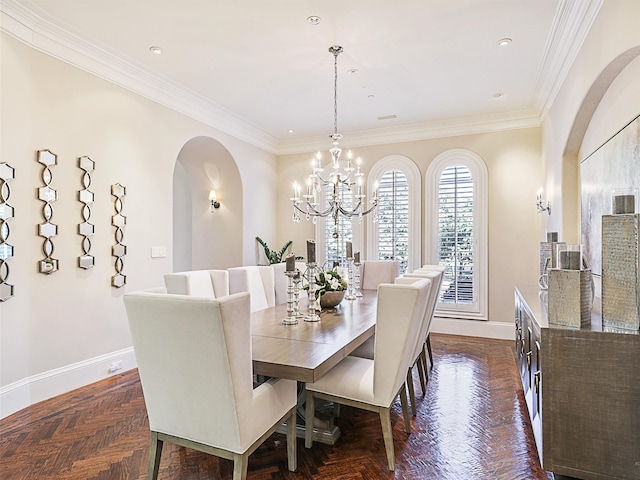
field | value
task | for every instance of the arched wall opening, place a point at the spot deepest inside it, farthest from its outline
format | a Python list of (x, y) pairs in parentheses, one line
[(202, 238), (579, 145)]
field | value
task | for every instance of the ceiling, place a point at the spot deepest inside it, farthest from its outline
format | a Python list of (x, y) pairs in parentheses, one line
[(424, 67)]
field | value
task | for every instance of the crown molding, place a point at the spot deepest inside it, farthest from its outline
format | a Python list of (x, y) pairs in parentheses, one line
[(28, 24), (572, 22), (419, 131)]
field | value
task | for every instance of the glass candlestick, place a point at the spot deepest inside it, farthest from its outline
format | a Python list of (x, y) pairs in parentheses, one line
[(297, 280), (312, 316), (350, 290), (356, 282), (291, 318)]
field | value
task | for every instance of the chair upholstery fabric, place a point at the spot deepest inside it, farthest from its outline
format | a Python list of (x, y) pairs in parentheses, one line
[(377, 382), (194, 360), (281, 281), (258, 280), (375, 272), (198, 283)]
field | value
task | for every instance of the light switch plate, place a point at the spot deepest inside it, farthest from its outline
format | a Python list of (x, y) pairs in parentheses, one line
[(158, 252)]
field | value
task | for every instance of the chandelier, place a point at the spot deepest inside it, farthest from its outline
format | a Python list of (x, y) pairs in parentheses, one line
[(338, 179)]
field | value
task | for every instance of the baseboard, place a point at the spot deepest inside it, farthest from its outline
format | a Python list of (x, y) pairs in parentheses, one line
[(473, 328), (34, 389)]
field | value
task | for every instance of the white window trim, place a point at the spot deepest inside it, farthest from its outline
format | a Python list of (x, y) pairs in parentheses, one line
[(471, 160), (412, 172)]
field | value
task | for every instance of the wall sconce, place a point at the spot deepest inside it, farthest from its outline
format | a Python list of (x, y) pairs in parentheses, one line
[(540, 204), (215, 204)]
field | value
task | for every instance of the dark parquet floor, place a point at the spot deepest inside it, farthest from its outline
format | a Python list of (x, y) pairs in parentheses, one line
[(470, 425)]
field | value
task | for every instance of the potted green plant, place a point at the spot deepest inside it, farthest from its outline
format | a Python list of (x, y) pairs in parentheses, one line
[(274, 256)]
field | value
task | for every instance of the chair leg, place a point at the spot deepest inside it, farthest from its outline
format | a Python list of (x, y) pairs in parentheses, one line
[(308, 421), (425, 363), (405, 410), (422, 375), (154, 456), (429, 349), (387, 434), (292, 454), (412, 393), (240, 463)]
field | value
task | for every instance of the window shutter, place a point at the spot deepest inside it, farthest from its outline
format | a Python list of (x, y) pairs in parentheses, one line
[(336, 236), (456, 235), (393, 218)]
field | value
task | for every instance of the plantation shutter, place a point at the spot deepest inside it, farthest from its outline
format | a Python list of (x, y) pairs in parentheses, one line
[(456, 235), (336, 236), (393, 218)]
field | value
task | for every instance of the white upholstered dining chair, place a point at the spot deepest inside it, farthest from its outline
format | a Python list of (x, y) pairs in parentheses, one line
[(375, 272), (420, 272), (194, 361), (281, 281), (199, 283), (374, 384), (419, 357), (258, 280)]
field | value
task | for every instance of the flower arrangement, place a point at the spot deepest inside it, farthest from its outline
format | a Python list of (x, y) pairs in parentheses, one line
[(329, 281)]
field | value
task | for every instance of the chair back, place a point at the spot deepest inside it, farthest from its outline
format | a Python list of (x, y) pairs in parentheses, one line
[(436, 281), (281, 281), (258, 280), (198, 283), (184, 346), (400, 312), (375, 272)]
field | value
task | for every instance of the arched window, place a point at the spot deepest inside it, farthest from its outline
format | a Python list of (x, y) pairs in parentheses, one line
[(396, 234), (456, 234)]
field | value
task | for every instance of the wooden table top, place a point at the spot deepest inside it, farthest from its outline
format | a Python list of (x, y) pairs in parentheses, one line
[(308, 350)]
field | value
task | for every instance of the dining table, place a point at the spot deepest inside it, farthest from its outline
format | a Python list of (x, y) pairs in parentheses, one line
[(307, 350)]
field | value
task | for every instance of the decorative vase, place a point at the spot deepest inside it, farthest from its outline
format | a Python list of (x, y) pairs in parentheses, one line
[(331, 299)]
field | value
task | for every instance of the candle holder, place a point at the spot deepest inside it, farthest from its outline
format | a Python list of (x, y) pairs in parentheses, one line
[(292, 306), (312, 316), (357, 279), (350, 291), (297, 280)]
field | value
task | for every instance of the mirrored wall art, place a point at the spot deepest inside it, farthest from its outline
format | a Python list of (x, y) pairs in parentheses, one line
[(47, 194), (119, 221), (7, 173), (86, 229)]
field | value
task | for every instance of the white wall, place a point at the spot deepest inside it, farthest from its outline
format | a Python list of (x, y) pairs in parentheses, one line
[(63, 331)]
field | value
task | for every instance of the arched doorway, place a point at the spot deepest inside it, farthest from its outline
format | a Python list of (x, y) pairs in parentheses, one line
[(202, 239)]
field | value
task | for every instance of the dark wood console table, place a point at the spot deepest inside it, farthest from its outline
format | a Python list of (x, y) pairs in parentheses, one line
[(582, 388)]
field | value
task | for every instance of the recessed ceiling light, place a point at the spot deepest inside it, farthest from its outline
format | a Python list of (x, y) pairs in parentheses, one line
[(353, 71), (371, 96), (156, 50), (313, 20), (291, 130), (498, 96), (387, 117), (503, 42)]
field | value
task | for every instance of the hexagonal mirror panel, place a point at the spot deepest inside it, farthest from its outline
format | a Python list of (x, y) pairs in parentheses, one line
[(119, 250)]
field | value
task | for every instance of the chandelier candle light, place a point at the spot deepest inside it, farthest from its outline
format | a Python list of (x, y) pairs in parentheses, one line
[(348, 177)]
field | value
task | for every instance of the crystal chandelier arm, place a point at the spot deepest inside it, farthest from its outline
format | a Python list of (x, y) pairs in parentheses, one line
[(313, 212)]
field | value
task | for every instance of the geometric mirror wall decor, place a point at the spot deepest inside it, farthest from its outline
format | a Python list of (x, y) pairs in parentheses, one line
[(119, 250), (86, 229), (47, 194), (7, 173)]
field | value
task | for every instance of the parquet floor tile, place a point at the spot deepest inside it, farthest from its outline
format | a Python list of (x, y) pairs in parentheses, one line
[(471, 425)]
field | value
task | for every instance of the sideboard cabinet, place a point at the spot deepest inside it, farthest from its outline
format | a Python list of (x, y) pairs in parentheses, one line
[(582, 388)]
